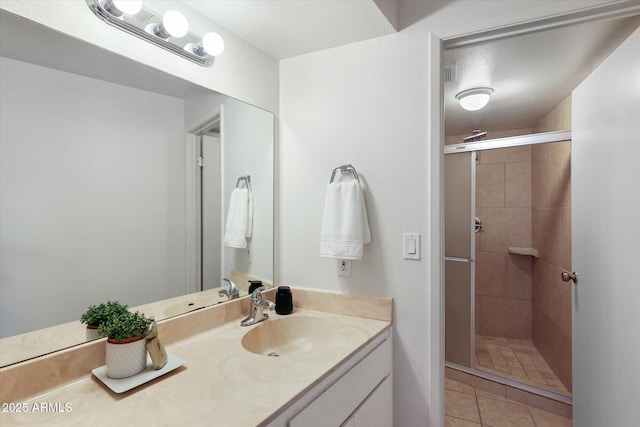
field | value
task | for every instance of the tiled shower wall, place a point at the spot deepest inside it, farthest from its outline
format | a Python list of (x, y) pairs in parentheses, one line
[(551, 219), (503, 203)]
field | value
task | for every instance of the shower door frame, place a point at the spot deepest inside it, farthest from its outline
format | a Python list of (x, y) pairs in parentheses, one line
[(455, 288), (511, 141), (474, 148)]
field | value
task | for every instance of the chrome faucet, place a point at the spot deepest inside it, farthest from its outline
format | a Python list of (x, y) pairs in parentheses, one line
[(255, 311), (233, 291)]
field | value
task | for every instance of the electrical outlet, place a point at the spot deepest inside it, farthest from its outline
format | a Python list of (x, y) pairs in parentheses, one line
[(344, 267)]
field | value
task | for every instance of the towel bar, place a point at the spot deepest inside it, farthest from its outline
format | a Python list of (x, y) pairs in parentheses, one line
[(246, 179), (344, 169)]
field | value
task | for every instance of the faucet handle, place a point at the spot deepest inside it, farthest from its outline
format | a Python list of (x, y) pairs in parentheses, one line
[(256, 296)]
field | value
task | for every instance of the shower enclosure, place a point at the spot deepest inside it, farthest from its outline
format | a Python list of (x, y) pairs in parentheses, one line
[(507, 241)]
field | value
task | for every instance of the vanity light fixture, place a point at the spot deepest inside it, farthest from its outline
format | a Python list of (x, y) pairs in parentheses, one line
[(474, 99), (174, 24), (170, 32)]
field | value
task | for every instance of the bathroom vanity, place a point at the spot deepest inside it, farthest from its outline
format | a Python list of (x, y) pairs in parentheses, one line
[(327, 363)]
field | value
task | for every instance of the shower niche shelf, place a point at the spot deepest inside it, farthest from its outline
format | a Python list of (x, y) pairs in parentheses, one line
[(518, 250)]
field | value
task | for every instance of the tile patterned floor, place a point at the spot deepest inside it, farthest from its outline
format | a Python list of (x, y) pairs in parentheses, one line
[(518, 360), (466, 406)]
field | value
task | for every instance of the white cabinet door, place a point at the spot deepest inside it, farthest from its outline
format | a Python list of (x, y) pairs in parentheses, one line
[(606, 241), (377, 410), (337, 403)]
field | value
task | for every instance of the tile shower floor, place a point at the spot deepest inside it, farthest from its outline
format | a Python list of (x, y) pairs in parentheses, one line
[(518, 360), (466, 406)]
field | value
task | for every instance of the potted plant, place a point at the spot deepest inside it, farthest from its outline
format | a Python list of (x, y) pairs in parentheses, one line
[(96, 315), (126, 347)]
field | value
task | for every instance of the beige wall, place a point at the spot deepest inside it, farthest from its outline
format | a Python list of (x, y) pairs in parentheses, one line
[(551, 222)]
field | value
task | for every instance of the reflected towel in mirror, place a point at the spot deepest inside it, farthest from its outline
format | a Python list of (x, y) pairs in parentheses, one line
[(239, 224), (345, 227)]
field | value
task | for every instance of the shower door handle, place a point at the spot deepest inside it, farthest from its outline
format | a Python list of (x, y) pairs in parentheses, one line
[(568, 277), (457, 259)]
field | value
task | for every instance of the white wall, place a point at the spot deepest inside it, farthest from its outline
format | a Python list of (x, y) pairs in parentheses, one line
[(370, 104), (247, 149), (364, 104), (242, 71), (92, 189)]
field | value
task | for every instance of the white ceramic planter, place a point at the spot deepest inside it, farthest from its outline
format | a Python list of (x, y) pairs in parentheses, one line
[(125, 360)]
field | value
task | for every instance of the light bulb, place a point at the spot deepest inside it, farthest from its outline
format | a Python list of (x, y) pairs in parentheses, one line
[(474, 99), (128, 7), (213, 44), (175, 23), (118, 8)]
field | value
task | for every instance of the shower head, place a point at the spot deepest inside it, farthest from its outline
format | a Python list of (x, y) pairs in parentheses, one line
[(475, 136)]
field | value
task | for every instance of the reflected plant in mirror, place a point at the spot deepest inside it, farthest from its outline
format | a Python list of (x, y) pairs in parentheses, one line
[(98, 315), (115, 184)]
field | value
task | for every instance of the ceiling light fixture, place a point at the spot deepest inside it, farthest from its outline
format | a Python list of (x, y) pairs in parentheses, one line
[(474, 99), (171, 32)]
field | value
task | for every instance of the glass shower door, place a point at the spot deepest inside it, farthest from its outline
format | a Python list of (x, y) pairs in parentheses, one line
[(459, 250)]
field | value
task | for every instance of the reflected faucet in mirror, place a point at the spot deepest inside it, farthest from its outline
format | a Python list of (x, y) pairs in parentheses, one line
[(233, 291)]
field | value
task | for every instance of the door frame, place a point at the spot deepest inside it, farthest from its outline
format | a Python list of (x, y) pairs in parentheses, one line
[(436, 44), (193, 259)]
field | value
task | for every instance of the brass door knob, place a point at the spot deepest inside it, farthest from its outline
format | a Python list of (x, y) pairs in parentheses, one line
[(566, 277)]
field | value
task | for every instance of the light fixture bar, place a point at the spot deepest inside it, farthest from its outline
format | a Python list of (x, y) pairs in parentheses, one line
[(124, 25)]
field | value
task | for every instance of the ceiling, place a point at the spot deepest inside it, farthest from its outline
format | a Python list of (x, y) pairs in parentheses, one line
[(529, 74), (286, 28)]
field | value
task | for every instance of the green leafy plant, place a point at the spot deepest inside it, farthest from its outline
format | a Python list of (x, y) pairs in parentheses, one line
[(125, 325), (97, 315)]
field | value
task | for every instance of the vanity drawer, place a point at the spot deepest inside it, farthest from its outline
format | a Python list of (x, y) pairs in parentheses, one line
[(337, 403)]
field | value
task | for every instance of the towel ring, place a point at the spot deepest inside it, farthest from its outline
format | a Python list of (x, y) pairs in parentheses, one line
[(345, 169), (246, 179)]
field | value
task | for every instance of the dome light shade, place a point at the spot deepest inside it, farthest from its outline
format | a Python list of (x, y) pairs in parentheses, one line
[(474, 99)]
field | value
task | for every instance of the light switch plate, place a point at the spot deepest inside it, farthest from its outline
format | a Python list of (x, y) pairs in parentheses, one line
[(411, 245)]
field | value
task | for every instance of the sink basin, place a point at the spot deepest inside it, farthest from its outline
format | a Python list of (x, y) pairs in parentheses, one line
[(194, 304), (289, 336)]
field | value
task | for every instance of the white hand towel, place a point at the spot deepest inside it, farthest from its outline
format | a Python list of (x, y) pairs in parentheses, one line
[(345, 227), (237, 216)]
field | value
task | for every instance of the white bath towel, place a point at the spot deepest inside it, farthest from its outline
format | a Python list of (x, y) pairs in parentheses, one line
[(239, 218), (345, 227)]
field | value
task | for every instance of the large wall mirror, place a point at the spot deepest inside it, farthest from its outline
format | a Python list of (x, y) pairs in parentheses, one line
[(115, 184)]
